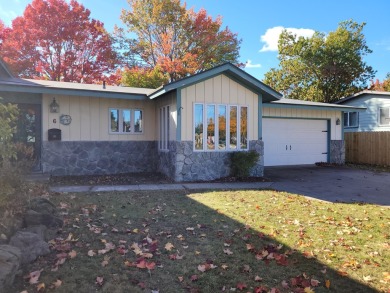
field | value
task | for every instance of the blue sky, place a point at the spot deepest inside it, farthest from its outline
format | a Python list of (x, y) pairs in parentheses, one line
[(258, 23)]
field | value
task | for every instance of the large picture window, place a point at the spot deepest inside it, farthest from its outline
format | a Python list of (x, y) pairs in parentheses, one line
[(125, 121), (351, 119), (384, 116), (222, 127)]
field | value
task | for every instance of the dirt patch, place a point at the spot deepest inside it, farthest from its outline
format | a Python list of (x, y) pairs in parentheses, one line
[(136, 178), (114, 179)]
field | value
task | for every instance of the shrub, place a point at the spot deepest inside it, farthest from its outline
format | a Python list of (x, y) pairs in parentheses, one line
[(242, 162), (16, 159)]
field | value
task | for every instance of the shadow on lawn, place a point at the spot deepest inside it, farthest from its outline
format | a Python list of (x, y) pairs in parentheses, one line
[(212, 250)]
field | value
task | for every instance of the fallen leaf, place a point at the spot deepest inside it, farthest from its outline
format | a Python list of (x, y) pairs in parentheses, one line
[(246, 269), (367, 278), (308, 290), (314, 282), (57, 283), (110, 246), (249, 246), (99, 281), (141, 264), (202, 268), (104, 263), (72, 254), (194, 278), (150, 265), (224, 266), (169, 246), (342, 273), (34, 276), (91, 253), (285, 284), (258, 279), (327, 284), (41, 286), (241, 286), (180, 279), (228, 251)]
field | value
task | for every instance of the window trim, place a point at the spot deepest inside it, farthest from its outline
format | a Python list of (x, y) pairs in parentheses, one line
[(347, 120), (164, 121), (379, 116), (216, 127), (120, 121)]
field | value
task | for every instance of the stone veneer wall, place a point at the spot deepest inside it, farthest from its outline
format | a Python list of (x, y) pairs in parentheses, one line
[(99, 157), (181, 163), (337, 151)]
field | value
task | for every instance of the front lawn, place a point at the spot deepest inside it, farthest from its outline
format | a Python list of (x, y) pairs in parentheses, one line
[(226, 241)]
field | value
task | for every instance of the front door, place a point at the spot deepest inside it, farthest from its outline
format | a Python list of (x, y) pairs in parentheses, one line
[(29, 130)]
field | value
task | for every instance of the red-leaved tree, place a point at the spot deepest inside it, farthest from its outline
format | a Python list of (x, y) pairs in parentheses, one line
[(57, 40)]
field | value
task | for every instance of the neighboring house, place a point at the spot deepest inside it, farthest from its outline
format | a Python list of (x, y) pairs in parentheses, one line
[(375, 118), (185, 129)]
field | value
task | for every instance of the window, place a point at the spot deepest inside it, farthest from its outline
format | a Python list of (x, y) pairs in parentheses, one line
[(210, 127), (351, 119), (226, 127), (244, 128), (125, 121), (222, 127), (164, 128), (198, 126), (384, 116)]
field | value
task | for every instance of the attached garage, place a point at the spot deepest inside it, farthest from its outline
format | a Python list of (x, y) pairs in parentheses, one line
[(295, 141), (297, 132)]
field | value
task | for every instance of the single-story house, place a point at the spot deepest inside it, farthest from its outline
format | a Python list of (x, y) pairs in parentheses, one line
[(185, 129), (375, 118)]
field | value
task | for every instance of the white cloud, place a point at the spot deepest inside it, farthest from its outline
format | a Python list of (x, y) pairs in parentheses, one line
[(271, 36), (249, 64)]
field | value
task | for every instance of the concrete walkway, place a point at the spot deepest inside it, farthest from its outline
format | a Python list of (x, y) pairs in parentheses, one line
[(178, 186)]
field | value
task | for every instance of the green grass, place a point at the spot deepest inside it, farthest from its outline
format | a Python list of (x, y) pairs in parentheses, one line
[(250, 241)]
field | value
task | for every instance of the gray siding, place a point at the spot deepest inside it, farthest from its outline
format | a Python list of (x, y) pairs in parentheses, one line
[(369, 119)]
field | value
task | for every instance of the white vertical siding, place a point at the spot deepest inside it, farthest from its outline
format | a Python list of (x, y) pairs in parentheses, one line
[(90, 118), (218, 90), (166, 100)]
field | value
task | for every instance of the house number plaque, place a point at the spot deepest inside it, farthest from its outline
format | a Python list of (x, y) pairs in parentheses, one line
[(65, 119)]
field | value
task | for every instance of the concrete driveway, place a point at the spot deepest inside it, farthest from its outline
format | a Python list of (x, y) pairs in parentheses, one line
[(335, 184)]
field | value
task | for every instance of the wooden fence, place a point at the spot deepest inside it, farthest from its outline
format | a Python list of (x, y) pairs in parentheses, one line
[(368, 148)]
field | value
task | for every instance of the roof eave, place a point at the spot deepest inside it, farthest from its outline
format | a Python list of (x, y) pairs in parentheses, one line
[(71, 92), (316, 107), (229, 70)]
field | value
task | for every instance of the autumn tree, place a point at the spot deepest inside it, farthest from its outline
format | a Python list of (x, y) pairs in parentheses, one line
[(178, 40), (383, 86), (324, 67), (143, 77), (57, 40)]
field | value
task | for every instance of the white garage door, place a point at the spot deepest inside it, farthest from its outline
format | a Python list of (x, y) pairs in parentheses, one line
[(294, 141)]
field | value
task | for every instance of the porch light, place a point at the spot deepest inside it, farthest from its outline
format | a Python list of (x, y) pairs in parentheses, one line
[(54, 107), (338, 121)]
